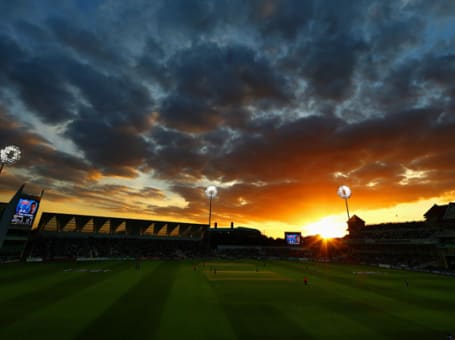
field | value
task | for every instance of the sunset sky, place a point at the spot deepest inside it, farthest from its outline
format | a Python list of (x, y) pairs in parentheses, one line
[(131, 108)]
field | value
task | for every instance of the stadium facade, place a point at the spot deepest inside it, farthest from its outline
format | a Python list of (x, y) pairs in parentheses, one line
[(72, 235), (422, 244), (16, 221)]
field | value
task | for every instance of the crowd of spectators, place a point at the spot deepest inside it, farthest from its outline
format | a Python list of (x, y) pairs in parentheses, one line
[(236, 243), (408, 230), (89, 247)]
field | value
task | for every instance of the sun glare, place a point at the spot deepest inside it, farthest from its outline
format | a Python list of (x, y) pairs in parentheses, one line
[(328, 227)]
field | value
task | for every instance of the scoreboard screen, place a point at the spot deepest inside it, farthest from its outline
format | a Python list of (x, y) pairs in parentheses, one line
[(292, 238), (25, 212)]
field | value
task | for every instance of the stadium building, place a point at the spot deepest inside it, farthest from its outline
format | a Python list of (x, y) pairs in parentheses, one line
[(422, 245), (69, 236), (427, 244), (62, 236)]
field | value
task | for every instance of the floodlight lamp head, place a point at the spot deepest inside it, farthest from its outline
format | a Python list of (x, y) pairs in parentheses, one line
[(10, 154), (211, 191), (344, 192)]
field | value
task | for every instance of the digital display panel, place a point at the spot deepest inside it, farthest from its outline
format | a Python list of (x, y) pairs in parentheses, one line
[(293, 238), (25, 212)]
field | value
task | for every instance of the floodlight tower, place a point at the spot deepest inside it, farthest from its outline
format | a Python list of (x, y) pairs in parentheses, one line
[(211, 192), (345, 192), (9, 155)]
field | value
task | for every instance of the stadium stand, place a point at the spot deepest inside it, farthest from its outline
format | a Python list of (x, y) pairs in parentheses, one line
[(70, 236), (241, 242), (428, 244), (55, 223), (421, 245)]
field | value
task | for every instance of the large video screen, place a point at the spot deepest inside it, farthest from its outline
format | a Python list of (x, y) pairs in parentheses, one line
[(25, 212), (293, 238)]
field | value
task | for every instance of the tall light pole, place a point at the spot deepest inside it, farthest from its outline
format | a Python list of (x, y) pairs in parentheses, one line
[(211, 192), (9, 155), (345, 192)]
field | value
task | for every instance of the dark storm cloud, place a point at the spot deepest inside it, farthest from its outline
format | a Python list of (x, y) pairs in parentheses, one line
[(10, 52), (290, 19), (17, 8), (307, 154), (43, 90), (438, 69), (59, 89), (285, 18), (323, 48), (190, 16), (183, 157), (65, 177), (227, 75), (328, 65), (151, 64), (210, 80), (407, 83), (40, 158), (272, 152), (177, 155), (39, 86), (189, 114), (45, 86), (29, 34), (394, 36), (440, 8), (83, 42), (399, 90), (301, 159), (118, 99), (279, 97), (113, 149), (174, 138)]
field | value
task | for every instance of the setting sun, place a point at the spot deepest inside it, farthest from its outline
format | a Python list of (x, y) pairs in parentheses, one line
[(328, 227)]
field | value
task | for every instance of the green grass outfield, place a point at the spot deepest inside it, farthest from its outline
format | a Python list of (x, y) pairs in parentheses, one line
[(243, 300)]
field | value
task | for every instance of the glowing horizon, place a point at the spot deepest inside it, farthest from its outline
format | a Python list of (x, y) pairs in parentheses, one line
[(327, 226), (276, 103)]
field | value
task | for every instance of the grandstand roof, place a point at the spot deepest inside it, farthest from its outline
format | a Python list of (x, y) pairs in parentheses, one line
[(440, 213), (102, 225), (356, 218)]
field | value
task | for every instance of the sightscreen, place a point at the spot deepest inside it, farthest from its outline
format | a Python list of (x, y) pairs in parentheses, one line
[(25, 212), (292, 238)]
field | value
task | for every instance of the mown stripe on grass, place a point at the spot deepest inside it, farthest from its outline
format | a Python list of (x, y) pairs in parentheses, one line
[(65, 318), (44, 275), (17, 307), (259, 321), (194, 307), (27, 272), (323, 323), (391, 286), (366, 307), (343, 296), (136, 314), (379, 319), (9, 269), (252, 308)]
